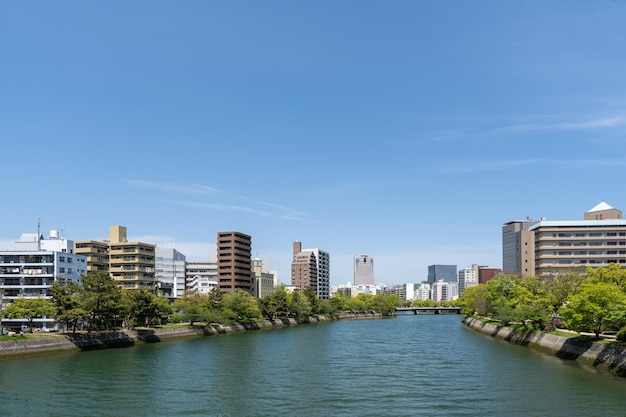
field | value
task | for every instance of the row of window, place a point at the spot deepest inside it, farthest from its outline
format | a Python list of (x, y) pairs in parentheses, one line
[(590, 234)]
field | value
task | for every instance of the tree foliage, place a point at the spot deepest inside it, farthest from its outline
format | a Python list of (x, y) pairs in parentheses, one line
[(30, 309)]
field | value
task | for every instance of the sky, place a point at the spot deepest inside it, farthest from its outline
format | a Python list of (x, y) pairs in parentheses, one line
[(406, 130)]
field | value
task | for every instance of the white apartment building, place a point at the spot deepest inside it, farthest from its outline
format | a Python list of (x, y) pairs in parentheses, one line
[(445, 291), (323, 272), (468, 277), (31, 264), (201, 276), (423, 291)]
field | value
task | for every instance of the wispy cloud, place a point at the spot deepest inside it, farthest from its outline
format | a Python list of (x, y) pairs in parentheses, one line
[(225, 201), (502, 165)]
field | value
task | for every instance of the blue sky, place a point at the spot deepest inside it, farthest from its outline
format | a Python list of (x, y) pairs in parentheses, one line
[(407, 130)]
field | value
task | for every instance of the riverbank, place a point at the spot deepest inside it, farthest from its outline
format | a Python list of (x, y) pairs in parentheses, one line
[(83, 341), (606, 356)]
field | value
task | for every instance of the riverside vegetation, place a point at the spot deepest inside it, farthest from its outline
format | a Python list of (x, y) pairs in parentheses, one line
[(593, 302), (98, 303)]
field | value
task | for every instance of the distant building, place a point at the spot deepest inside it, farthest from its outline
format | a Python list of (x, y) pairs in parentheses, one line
[(444, 291), (468, 277), (442, 272), (234, 262), (201, 277), (423, 291), (263, 279), (131, 264), (311, 268), (364, 270), (170, 272), (31, 264), (486, 273), (546, 248)]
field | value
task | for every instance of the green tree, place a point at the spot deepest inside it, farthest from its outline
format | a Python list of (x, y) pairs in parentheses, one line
[(275, 304), (142, 307), (30, 309), (65, 296), (590, 309), (193, 308), (610, 274), (240, 306), (560, 288), (101, 298), (386, 303), (298, 305), (314, 300), (473, 301)]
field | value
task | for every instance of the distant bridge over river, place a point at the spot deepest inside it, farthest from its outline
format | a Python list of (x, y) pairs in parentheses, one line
[(429, 310)]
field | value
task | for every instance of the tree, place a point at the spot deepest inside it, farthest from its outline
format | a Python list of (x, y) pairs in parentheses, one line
[(314, 300), (29, 309), (65, 296), (386, 304), (473, 301), (591, 309), (298, 305), (240, 306), (193, 307), (610, 274), (143, 307), (101, 297)]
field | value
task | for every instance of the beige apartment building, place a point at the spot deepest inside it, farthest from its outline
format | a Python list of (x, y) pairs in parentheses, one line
[(234, 262), (546, 248), (131, 264)]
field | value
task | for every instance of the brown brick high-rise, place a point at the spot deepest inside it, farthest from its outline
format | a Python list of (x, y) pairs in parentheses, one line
[(234, 253)]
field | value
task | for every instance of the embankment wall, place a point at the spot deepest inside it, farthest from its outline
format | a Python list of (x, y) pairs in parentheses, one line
[(610, 357)]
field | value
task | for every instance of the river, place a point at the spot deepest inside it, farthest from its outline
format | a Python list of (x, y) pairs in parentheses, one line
[(425, 365)]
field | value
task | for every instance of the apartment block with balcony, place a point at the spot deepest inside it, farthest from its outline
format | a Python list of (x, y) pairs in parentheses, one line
[(201, 277), (303, 268), (131, 264)]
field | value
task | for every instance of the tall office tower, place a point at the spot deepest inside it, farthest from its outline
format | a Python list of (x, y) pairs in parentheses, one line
[(303, 268), (518, 254), (363, 270), (442, 272), (170, 267), (468, 277), (234, 262), (131, 264)]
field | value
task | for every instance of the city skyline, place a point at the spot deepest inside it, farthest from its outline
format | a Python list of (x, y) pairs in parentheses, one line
[(408, 131)]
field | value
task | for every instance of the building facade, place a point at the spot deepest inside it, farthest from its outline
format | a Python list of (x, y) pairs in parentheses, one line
[(170, 266), (444, 291), (31, 264), (263, 279), (131, 264), (364, 270), (468, 277), (322, 263), (518, 255), (571, 246), (442, 272), (303, 268), (201, 277), (234, 262)]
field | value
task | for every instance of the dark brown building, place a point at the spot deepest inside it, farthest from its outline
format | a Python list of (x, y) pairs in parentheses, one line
[(486, 273), (234, 264)]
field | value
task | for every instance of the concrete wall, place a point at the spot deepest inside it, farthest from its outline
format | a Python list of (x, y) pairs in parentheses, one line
[(610, 357)]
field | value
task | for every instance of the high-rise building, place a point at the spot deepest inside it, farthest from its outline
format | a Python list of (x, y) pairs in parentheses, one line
[(303, 268), (131, 264), (518, 255), (311, 268), (547, 248), (442, 272), (234, 262), (363, 270), (170, 272)]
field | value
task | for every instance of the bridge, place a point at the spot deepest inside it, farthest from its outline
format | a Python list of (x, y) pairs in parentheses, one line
[(429, 310)]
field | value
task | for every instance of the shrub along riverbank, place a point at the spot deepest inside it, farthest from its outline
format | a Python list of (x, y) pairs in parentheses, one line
[(609, 356), (24, 346)]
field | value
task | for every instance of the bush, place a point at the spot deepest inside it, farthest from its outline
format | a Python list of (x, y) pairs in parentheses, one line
[(621, 335)]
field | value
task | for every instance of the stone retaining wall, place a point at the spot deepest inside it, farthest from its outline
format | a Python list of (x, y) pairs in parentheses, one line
[(605, 356), (53, 343)]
